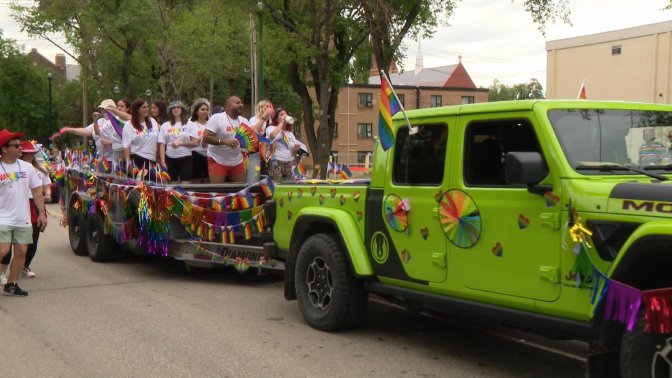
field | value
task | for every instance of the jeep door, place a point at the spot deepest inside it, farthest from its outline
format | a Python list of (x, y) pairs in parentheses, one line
[(514, 248), (405, 239)]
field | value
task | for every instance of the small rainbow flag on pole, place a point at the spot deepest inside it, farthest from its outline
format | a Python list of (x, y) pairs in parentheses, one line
[(389, 106), (345, 172)]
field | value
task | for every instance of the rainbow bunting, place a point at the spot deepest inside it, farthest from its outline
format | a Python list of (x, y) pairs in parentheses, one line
[(211, 233), (259, 222), (232, 236), (389, 106), (247, 231), (267, 187), (116, 122)]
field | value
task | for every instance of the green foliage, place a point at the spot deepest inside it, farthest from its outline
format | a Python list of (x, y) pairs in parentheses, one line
[(24, 93), (521, 91)]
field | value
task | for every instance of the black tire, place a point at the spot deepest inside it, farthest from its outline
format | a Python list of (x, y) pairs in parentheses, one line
[(76, 230), (100, 246), (330, 297), (644, 355)]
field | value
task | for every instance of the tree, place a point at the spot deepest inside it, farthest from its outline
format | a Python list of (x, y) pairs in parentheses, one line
[(521, 91), (23, 92), (319, 38)]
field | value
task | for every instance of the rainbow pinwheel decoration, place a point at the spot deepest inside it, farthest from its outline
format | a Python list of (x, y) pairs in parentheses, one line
[(247, 138), (396, 212), (460, 218)]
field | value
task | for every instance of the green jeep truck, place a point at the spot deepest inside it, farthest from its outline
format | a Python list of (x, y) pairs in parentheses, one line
[(542, 215)]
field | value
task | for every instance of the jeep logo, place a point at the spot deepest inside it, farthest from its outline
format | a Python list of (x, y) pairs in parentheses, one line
[(648, 206)]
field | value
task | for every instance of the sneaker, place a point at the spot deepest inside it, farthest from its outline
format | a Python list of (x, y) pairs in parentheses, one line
[(12, 289), (27, 272), (3, 279)]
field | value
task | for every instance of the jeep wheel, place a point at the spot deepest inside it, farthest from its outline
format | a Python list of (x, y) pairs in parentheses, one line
[(99, 245), (330, 297), (76, 229), (644, 355)]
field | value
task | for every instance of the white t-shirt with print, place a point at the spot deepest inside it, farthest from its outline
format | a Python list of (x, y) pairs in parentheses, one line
[(96, 138), (282, 153), (172, 133), (141, 142), (198, 134), (16, 183), (224, 128), (45, 179), (108, 132)]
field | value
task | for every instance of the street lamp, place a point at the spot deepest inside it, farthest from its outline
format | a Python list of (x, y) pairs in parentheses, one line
[(49, 78), (260, 65)]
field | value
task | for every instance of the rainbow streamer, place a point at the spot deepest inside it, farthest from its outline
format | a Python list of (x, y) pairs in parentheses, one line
[(247, 138), (389, 106)]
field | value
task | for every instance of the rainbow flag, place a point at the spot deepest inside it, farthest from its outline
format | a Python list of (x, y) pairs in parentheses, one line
[(259, 222), (244, 201), (68, 159), (267, 187), (299, 171), (389, 106), (345, 172), (104, 165), (116, 122), (247, 231)]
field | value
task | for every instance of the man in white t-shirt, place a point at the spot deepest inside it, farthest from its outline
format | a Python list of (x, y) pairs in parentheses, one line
[(224, 156), (17, 182)]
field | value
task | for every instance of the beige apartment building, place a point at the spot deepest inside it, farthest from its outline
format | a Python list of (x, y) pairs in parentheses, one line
[(633, 64), (357, 111)]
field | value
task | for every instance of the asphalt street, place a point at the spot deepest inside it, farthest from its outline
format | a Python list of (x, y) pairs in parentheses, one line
[(151, 317)]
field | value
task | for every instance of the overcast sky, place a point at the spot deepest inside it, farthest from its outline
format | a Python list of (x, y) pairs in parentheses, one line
[(496, 38)]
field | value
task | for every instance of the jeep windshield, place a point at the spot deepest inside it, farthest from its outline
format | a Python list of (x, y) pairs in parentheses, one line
[(605, 141)]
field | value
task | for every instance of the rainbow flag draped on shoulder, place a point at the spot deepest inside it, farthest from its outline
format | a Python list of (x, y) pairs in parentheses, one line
[(389, 106)]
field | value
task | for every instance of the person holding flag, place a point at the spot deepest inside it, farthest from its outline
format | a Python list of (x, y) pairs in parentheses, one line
[(110, 132), (284, 141)]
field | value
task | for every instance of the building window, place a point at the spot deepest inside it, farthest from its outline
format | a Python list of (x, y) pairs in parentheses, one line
[(335, 135), (402, 99), (361, 156), (468, 99), (364, 130), (437, 101), (616, 50), (334, 156), (365, 100)]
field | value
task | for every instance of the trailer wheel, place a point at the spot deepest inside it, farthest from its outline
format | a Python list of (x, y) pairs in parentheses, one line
[(76, 229), (330, 297), (99, 245), (645, 354)]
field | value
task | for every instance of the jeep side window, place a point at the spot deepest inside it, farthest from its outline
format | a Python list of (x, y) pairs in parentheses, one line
[(420, 159), (486, 145)]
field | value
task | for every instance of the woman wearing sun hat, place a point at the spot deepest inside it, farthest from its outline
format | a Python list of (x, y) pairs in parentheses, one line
[(28, 151), (17, 182), (176, 139)]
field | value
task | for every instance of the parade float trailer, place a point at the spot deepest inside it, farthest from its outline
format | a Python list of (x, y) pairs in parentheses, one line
[(111, 212), (550, 216)]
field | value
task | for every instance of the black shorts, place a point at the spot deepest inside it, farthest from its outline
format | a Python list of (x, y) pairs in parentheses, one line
[(180, 169), (200, 167)]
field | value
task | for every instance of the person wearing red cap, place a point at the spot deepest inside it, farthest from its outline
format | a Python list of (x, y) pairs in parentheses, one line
[(28, 151), (17, 182)]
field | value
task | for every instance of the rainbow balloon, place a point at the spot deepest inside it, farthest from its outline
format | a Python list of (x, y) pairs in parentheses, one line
[(247, 138)]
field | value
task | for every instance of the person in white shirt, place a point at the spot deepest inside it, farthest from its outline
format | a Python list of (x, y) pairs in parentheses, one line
[(259, 123), (88, 131), (113, 149), (199, 118), (139, 136), (28, 151), (284, 142), (224, 156), (176, 139), (17, 182)]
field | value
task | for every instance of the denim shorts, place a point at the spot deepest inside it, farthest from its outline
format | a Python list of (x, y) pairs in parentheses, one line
[(16, 235)]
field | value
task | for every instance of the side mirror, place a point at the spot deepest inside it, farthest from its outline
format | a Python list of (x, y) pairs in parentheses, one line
[(527, 168)]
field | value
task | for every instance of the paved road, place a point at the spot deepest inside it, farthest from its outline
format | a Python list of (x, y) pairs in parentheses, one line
[(147, 317)]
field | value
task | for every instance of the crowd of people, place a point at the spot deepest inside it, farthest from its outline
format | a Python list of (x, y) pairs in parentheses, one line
[(196, 144)]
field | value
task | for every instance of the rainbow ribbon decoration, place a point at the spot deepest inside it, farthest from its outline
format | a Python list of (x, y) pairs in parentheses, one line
[(389, 106)]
